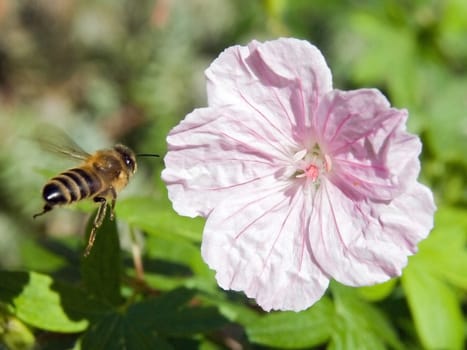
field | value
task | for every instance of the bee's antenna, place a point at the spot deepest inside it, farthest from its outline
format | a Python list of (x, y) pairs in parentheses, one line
[(147, 155)]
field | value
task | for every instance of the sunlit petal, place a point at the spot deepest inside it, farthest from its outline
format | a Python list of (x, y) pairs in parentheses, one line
[(372, 154), (258, 243), (282, 81), (214, 151), (362, 242)]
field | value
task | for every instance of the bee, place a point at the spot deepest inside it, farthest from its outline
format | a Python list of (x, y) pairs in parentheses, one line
[(100, 177)]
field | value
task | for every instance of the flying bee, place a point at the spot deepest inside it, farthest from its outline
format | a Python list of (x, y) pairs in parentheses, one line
[(100, 177)]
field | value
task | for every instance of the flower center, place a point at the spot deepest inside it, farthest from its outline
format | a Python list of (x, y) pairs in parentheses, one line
[(312, 172), (312, 164)]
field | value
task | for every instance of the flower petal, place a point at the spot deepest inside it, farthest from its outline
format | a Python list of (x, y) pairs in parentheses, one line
[(257, 243), (408, 219), (213, 151), (372, 154), (345, 117), (281, 80), (362, 242)]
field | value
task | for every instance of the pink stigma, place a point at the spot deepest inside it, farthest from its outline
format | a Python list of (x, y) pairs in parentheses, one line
[(312, 172)]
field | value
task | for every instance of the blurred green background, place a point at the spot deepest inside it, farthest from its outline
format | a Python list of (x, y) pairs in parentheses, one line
[(127, 71)]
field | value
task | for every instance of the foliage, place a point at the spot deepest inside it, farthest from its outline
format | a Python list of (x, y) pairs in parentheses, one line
[(126, 71)]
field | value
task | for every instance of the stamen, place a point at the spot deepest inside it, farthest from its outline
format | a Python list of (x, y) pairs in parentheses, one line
[(327, 163), (311, 163), (299, 155)]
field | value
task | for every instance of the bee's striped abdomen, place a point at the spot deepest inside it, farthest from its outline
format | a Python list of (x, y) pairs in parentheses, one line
[(53, 193), (70, 186)]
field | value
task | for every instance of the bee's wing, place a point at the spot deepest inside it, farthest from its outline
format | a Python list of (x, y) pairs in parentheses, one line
[(57, 141)]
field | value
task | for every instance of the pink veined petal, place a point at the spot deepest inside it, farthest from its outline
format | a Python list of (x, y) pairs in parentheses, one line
[(281, 80), (385, 176), (361, 242), (257, 243), (372, 154), (402, 156), (345, 117), (215, 151), (408, 219)]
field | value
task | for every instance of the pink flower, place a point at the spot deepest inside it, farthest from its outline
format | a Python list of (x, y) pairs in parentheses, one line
[(299, 182)]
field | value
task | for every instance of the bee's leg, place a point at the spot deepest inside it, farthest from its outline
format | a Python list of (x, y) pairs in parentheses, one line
[(112, 203), (97, 222), (46, 209)]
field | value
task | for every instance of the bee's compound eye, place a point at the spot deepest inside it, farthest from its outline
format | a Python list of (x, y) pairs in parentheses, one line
[(130, 162), (128, 157)]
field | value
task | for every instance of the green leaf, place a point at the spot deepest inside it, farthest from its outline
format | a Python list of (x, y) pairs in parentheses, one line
[(36, 257), (115, 331), (14, 334), (178, 250), (448, 139), (156, 217), (378, 52), (147, 324), (444, 253), (452, 29), (170, 301), (232, 305), (428, 281), (42, 302), (379, 291), (169, 315), (291, 330), (435, 309), (176, 261), (358, 324), (100, 270)]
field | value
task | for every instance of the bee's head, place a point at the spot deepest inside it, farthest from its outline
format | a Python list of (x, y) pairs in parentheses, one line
[(128, 157)]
